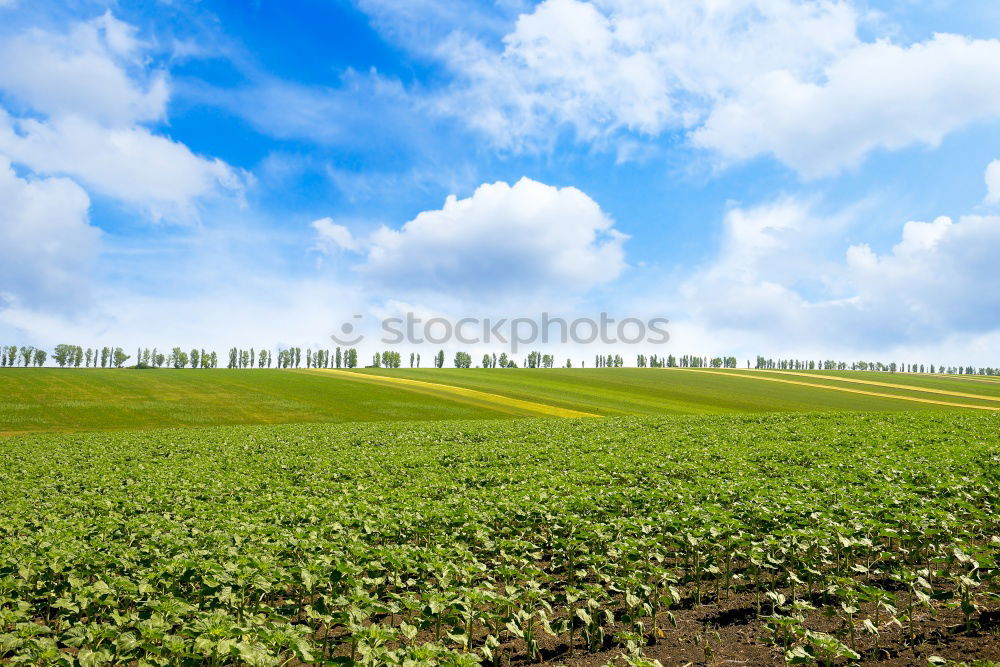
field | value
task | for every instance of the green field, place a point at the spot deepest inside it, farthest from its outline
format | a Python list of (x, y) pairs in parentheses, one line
[(33, 400), (652, 391), (98, 399), (691, 540), (987, 385)]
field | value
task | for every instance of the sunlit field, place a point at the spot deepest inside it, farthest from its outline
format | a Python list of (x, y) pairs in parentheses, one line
[(817, 538)]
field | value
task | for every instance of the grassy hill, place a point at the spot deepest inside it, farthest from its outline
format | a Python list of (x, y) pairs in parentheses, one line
[(92, 399), (651, 391), (98, 399)]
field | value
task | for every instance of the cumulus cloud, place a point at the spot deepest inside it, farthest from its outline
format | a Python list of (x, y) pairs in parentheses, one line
[(83, 99), (739, 77), (751, 284), (47, 245), (504, 240), (130, 163), (781, 273), (609, 65), (875, 96), (993, 183), (940, 277), (96, 70)]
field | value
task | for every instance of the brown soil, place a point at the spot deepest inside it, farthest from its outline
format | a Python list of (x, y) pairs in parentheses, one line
[(729, 632), (735, 635)]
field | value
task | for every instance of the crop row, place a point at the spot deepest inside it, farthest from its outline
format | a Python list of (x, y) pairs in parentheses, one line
[(467, 542)]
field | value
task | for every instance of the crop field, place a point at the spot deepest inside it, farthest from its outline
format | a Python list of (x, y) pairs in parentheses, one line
[(827, 539), (652, 391), (70, 400)]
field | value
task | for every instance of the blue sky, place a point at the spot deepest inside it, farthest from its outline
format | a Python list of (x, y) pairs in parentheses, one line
[(774, 176)]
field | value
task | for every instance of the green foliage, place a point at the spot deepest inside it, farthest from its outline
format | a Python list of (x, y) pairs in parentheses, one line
[(119, 357), (455, 543)]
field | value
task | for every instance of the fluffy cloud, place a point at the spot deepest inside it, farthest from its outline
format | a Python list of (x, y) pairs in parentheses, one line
[(46, 242), (751, 284), (96, 70), (940, 277), (740, 77), (130, 164), (83, 97), (875, 96), (781, 274), (644, 66), (504, 240), (993, 183)]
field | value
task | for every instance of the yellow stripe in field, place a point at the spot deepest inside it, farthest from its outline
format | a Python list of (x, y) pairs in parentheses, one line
[(974, 378), (459, 393), (843, 389), (909, 387)]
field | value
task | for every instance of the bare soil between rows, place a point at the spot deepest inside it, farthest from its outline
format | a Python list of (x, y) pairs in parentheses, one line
[(741, 639), (729, 631)]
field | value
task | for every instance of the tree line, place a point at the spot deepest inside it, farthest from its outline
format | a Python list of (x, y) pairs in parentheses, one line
[(885, 367), (76, 356), (684, 361), (175, 358), (73, 356), (292, 357), (12, 355)]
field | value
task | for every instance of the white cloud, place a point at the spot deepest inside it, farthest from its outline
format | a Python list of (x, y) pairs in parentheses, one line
[(83, 97), (275, 312), (337, 115), (504, 240), (420, 25), (740, 77), (940, 277), (875, 96), (47, 245), (96, 70), (331, 237), (993, 183), (750, 284), (131, 164), (643, 66), (782, 276)]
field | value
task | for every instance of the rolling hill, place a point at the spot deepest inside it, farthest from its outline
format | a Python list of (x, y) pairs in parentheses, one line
[(38, 400)]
